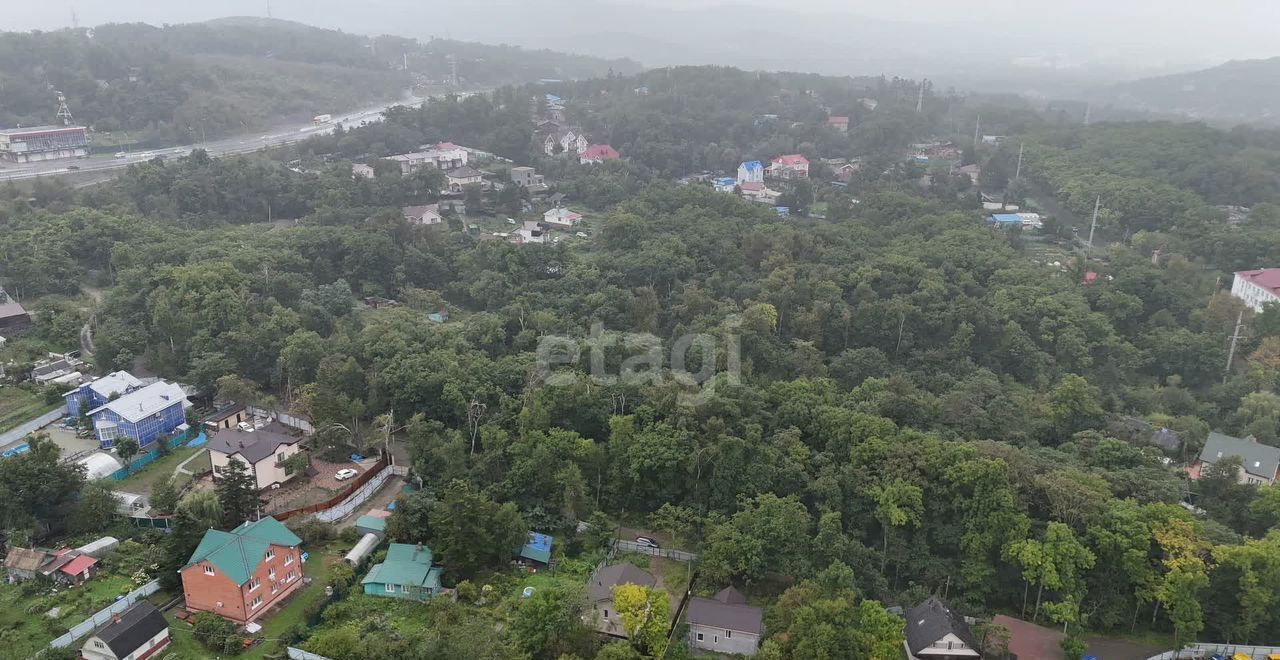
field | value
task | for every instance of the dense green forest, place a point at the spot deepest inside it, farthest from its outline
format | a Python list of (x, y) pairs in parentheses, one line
[(921, 402), (168, 84)]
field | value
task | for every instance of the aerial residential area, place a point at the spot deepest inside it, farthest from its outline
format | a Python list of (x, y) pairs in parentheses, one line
[(324, 346)]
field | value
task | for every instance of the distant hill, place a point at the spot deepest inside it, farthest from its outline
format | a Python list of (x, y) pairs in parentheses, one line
[(140, 83), (1246, 91)]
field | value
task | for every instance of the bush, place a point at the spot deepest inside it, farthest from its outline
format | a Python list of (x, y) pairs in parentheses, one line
[(216, 634), (349, 535), (312, 531)]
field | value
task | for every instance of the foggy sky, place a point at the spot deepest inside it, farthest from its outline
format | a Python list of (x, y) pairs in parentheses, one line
[(1133, 36)]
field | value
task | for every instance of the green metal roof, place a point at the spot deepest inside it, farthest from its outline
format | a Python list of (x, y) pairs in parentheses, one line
[(372, 522), (405, 564), (237, 553)]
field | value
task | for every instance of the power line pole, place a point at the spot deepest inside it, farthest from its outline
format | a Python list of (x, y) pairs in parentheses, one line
[(1018, 173), (920, 99), (1088, 109), (75, 19), (1235, 337), (268, 8), (1096, 205), (977, 126), (64, 112)]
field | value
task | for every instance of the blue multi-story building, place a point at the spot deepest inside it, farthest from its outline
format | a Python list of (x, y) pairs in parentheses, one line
[(146, 415), (97, 393)]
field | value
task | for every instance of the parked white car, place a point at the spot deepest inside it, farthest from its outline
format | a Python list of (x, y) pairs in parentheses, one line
[(345, 474)]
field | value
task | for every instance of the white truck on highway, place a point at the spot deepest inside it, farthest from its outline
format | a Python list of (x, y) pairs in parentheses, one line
[(322, 119)]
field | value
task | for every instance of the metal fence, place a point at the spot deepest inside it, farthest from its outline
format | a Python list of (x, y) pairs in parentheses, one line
[(103, 616), (631, 546), (153, 455), (356, 499), (292, 421), (27, 428), (299, 654), (1227, 650)]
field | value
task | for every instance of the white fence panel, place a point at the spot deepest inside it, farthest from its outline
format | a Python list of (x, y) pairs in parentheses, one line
[(103, 616), (32, 426), (356, 499)]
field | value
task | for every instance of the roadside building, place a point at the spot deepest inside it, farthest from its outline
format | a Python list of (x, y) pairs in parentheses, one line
[(839, 123), (41, 143), (751, 171), (228, 417), (527, 177)]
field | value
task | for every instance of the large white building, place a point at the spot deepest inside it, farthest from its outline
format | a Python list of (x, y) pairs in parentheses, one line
[(1257, 287), (30, 145)]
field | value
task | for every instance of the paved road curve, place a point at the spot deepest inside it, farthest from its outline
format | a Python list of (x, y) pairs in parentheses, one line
[(282, 135)]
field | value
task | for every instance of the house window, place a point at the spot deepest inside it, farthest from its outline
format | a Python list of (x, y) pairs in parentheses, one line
[(257, 602), (606, 614), (391, 588), (699, 637), (208, 570), (404, 588), (97, 643), (728, 634), (271, 574), (271, 554), (254, 583), (288, 559), (274, 589)]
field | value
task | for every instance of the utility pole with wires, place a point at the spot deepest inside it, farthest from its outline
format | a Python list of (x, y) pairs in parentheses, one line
[(977, 128), (64, 112), (1235, 338), (920, 99), (1018, 173)]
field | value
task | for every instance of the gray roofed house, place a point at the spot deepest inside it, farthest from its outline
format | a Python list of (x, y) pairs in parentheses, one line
[(262, 449), (603, 616), (725, 623), (936, 632), (139, 631), (1260, 462)]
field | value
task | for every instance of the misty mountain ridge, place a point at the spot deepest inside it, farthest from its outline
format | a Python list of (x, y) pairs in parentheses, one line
[(1239, 91)]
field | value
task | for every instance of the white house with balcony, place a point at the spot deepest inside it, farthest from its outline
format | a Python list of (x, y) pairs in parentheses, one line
[(1257, 287)]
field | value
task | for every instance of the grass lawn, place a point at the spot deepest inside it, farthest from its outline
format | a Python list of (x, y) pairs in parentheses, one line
[(142, 480), (24, 628), (18, 405)]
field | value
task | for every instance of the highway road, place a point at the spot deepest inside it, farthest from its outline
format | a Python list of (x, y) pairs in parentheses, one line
[(282, 135)]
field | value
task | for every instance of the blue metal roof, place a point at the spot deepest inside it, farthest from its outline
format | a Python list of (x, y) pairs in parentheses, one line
[(753, 165), (1006, 218)]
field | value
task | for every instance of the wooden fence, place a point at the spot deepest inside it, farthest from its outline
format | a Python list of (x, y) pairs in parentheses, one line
[(360, 481)]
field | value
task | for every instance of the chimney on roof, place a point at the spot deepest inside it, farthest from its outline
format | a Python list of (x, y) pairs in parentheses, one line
[(416, 550)]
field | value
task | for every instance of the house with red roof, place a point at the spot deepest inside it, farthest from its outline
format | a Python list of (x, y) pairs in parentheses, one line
[(839, 123), (793, 166), (1257, 287), (597, 153)]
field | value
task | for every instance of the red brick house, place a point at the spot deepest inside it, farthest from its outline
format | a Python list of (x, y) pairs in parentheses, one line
[(242, 573)]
